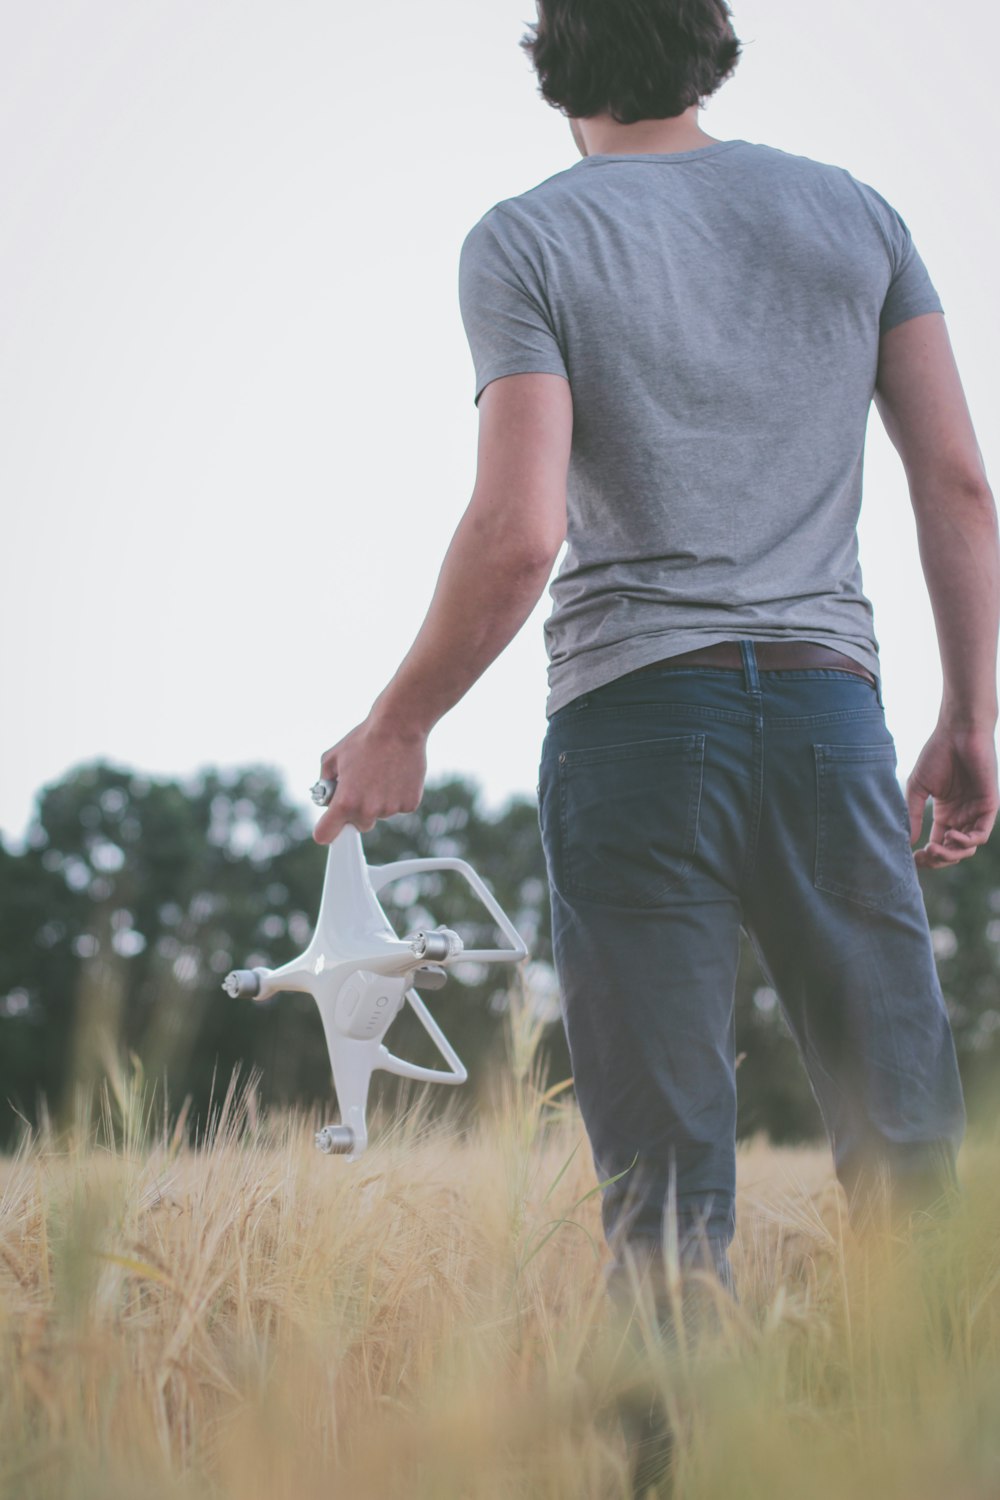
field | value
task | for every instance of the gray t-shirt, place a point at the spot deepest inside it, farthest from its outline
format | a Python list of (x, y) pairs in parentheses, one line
[(717, 314)]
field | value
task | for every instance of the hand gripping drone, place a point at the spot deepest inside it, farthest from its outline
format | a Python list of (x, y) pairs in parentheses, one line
[(360, 973)]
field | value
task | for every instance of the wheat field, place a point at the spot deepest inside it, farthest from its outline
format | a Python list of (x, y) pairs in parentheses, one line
[(235, 1315)]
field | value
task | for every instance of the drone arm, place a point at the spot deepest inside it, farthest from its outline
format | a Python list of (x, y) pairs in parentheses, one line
[(393, 1064), (383, 876)]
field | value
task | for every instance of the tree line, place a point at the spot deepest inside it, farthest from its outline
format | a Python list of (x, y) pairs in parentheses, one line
[(133, 896)]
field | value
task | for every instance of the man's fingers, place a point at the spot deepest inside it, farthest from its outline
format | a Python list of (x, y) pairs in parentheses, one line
[(916, 801), (968, 839), (329, 826), (946, 846), (337, 816), (975, 831), (934, 856)]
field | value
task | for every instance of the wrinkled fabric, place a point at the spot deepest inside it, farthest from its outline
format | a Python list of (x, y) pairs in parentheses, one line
[(717, 314)]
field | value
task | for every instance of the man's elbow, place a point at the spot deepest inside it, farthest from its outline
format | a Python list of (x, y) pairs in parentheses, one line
[(542, 555), (962, 494), (530, 563), (523, 539)]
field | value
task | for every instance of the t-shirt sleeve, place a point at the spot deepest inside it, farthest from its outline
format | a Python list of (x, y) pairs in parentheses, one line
[(506, 322), (911, 291)]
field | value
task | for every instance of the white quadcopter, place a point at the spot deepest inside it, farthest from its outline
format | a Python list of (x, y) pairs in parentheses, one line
[(360, 973)]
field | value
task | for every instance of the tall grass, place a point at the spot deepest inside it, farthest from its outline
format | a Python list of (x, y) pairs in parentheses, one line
[(238, 1316)]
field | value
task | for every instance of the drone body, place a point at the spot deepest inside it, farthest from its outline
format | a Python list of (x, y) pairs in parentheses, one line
[(361, 973)]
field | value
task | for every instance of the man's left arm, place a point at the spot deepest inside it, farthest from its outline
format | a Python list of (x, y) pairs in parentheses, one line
[(493, 575)]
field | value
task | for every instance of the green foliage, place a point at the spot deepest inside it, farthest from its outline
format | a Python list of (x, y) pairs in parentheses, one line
[(963, 907)]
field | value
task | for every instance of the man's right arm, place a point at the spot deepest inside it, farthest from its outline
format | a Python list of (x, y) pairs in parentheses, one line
[(920, 400)]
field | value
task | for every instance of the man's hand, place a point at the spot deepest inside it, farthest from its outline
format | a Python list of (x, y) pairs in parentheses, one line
[(958, 769), (379, 769)]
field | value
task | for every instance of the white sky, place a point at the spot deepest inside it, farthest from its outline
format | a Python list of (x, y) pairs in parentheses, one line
[(238, 427)]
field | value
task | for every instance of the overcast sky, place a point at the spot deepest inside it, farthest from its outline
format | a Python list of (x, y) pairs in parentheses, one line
[(238, 427)]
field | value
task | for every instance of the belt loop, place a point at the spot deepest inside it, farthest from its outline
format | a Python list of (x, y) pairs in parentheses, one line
[(751, 680), (878, 690)]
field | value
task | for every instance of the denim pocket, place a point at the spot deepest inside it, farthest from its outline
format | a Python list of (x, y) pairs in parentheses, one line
[(628, 819), (862, 831)]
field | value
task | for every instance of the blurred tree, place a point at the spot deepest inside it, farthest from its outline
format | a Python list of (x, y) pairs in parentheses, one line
[(963, 907)]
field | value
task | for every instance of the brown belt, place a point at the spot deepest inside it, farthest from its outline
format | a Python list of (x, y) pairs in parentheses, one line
[(772, 656)]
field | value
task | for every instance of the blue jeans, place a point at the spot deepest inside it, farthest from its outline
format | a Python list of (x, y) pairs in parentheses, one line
[(676, 806)]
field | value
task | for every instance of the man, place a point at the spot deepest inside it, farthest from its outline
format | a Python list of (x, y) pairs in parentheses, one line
[(677, 342)]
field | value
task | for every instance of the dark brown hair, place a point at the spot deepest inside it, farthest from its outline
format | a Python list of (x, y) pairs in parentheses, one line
[(632, 59)]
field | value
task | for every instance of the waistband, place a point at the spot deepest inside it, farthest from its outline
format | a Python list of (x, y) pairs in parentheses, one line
[(771, 656)]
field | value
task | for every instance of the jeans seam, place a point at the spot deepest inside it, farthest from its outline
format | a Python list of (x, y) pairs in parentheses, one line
[(756, 797)]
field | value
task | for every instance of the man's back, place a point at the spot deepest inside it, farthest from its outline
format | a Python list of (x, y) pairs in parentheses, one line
[(717, 313)]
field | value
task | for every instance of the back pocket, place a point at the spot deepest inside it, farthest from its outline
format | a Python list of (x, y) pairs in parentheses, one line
[(628, 819), (863, 848)]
